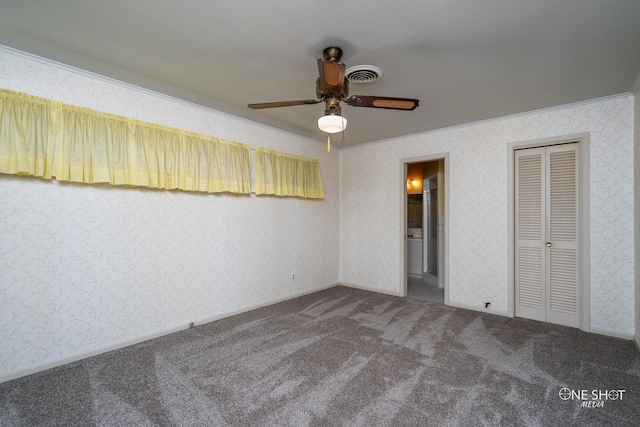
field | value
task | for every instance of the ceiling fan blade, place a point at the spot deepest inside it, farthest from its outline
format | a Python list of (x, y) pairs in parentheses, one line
[(282, 104), (383, 102), (331, 76)]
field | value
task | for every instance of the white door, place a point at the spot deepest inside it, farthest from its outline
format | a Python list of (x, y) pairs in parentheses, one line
[(546, 234)]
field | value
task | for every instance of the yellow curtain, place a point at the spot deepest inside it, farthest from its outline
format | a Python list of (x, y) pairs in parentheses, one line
[(25, 146), (88, 146), (283, 174)]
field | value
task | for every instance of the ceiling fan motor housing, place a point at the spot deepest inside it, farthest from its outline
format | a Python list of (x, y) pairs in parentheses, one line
[(323, 95), (332, 106)]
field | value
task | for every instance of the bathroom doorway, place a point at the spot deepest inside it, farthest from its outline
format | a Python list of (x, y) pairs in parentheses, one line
[(425, 230)]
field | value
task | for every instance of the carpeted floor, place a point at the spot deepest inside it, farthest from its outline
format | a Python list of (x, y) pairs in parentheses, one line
[(343, 357)]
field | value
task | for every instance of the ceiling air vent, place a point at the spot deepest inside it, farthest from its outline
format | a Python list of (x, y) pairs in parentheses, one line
[(363, 74)]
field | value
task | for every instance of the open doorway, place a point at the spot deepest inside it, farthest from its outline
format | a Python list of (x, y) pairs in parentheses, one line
[(425, 230)]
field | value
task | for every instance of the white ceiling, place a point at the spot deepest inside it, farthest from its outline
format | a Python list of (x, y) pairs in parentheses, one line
[(466, 60)]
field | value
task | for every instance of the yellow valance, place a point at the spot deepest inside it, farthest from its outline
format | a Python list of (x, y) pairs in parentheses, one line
[(283, 174), (48, 139)]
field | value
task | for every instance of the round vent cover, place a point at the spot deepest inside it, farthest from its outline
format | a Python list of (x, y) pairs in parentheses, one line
[(363, 74)]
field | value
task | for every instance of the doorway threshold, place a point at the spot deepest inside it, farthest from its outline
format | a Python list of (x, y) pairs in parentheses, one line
[(422, 289)]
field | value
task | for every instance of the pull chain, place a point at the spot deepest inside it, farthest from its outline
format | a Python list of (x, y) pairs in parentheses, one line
[(328, 143)]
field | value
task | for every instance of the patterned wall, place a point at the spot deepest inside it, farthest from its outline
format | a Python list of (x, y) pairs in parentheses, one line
[(85, 267), (370, 200), (636, 153)]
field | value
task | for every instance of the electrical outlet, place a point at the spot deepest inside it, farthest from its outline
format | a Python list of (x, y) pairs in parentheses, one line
[(293, 276)]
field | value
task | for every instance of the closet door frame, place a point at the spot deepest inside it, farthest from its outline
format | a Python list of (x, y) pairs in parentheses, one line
[(582, 140)]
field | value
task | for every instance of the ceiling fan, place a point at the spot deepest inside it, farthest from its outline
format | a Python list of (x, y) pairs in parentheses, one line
[(332, 87)]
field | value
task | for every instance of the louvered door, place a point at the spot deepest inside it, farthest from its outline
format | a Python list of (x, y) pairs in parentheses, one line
[(546, 233), (530, 268)]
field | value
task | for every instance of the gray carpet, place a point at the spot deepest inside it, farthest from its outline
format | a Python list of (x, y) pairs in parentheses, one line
[(421, 289), (341, 357)]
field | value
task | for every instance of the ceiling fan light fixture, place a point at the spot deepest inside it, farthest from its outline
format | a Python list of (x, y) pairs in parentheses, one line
[(332, 123), (332, 88)]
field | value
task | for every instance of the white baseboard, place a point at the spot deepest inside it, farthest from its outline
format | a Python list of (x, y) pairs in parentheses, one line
[(125, 343), (371, 289), (609, 332), (504, 313), (262, 304), (451, 304)]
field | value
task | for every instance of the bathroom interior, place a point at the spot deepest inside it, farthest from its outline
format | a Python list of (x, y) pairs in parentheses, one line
[(425, 231)]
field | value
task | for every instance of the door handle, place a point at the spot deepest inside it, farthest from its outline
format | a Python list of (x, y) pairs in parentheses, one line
[(549, 244)]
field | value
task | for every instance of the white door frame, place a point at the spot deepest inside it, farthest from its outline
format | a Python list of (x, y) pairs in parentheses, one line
[(403, 218), (583, 143)]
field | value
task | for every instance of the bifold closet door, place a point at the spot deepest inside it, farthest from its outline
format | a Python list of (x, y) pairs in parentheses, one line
[(546, 234)]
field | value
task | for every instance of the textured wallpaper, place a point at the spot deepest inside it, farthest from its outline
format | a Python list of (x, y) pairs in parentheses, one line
[(636, 153), (85, 267), (370, 200)]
